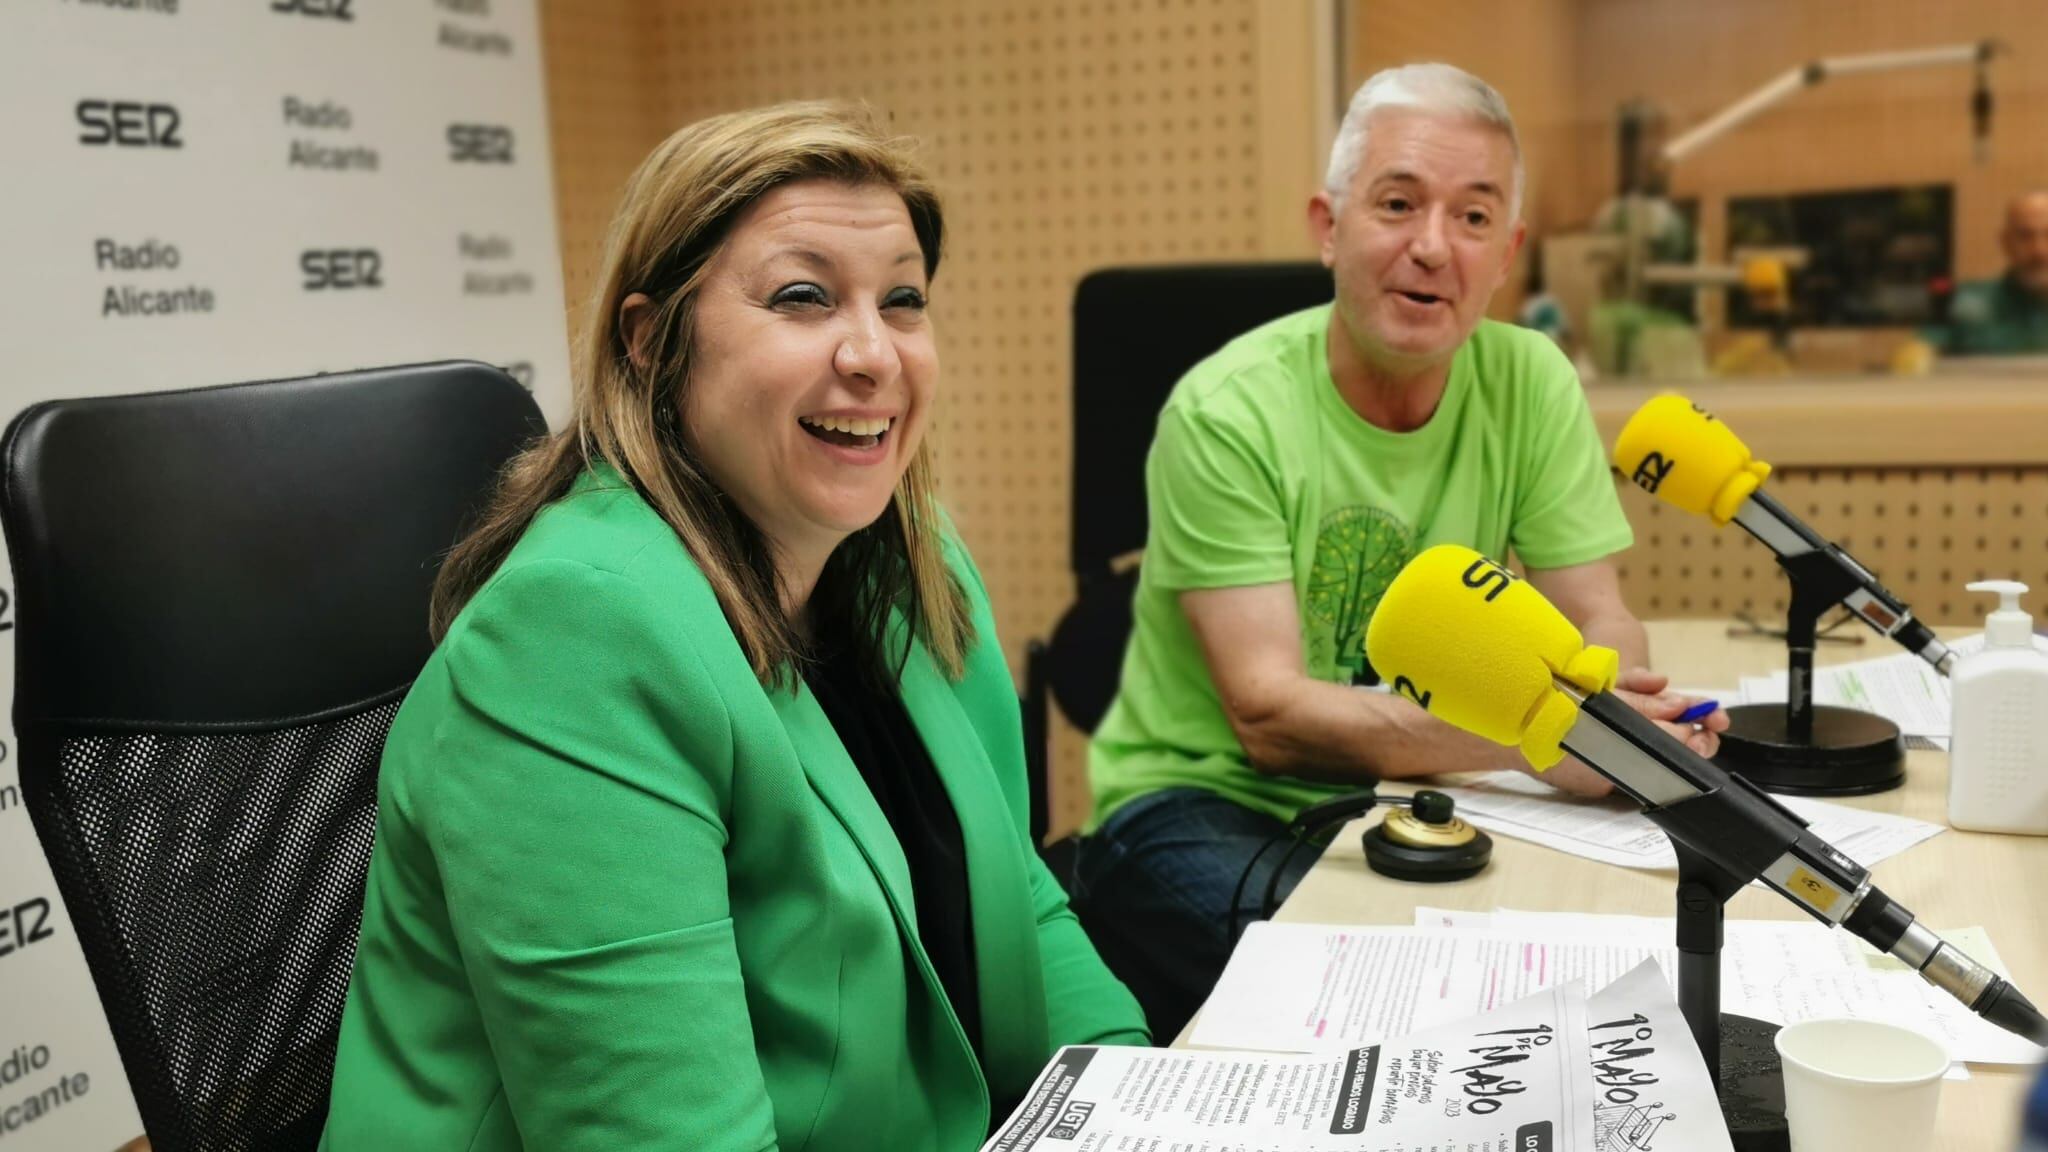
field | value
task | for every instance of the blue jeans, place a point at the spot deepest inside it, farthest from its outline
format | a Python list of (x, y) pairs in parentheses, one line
[(1152, 887)]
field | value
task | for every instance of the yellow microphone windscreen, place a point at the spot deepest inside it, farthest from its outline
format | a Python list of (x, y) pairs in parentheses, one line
[(1478, 648), (1678, 452)]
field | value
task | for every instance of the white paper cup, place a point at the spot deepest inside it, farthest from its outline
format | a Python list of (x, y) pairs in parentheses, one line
[(1859, 1085)]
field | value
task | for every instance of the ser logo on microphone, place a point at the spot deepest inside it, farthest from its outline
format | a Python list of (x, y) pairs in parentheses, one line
[(1484, 574), (1651, 472)]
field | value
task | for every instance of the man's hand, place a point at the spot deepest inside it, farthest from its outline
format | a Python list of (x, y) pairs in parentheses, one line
[(1647, 692), (1571, 777)]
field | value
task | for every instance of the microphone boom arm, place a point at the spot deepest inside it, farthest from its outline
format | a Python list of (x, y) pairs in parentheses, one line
[(1822, 576), (1728, 821), (1827, 576), (1741, 834)]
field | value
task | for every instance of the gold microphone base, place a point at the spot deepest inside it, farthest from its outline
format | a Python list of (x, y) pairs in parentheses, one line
[(1850, 752)]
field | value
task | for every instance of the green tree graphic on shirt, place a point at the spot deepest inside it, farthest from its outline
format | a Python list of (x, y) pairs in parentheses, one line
[(1359, 551)]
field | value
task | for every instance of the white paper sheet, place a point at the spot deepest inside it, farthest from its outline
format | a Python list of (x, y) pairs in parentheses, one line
[(1614, 831), (1297, 987), (1301, 987), (1647, 1084), (1902, 689), (1791, 970), (1519, 1078), (1293, 987), (1650, 1087)]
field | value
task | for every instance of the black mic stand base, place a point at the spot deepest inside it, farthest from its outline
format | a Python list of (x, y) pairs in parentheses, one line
[(1851, 753), (1752, 1086)]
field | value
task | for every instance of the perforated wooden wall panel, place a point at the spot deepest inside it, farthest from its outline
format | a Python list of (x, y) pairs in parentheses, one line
[(1925, 532), (1524, 48), (1064, 137), (604, 101)]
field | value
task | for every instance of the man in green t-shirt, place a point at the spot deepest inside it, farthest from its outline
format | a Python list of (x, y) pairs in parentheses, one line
[(1292, 474), (2007, 316)]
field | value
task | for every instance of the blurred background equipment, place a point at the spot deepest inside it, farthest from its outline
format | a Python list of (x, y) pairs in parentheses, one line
[(1869, 257)]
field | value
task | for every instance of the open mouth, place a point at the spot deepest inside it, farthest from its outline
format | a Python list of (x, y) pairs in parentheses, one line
[(1424, 298), (846, 432)]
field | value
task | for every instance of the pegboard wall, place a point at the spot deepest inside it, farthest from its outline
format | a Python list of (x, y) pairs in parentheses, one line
[(1925, 532), (604, 115), (1064, 137)]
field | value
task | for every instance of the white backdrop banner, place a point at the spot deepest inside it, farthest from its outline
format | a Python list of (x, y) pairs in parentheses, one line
[(200, 192)]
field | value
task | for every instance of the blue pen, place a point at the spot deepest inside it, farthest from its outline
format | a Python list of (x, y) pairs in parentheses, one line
[(1697, 712)]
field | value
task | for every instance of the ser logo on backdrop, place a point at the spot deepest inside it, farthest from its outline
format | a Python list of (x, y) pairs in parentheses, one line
[(341, 269), (24, 924), (128, 124), (343, 10), (479, 144)]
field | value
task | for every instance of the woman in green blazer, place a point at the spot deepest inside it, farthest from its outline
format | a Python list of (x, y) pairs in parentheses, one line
[(704, 827)]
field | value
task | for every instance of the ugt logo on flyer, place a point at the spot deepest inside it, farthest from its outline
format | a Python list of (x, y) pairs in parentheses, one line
[(1072, 1117)]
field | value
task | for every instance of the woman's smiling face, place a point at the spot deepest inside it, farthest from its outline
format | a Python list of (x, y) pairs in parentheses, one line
[(813, 367)]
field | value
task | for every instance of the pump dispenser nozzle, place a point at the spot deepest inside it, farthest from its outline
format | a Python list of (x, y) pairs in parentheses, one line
[(2010, 626)]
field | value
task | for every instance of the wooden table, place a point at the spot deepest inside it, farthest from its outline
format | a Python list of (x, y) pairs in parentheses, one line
[(1954, 880)]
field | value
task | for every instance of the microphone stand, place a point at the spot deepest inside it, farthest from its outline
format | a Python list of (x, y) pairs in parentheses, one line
[(1727, 832), (1740, 1055), (1805, 748), (1742, 1059)]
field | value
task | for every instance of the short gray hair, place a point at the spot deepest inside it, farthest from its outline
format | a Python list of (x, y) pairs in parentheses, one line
[(1441, 89)]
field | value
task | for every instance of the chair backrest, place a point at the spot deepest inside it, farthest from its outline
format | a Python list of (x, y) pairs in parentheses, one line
[(1136, 333), (221, 600)]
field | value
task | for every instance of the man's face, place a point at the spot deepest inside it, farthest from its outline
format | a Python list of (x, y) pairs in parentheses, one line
[(1423, 236), (2026, 242)]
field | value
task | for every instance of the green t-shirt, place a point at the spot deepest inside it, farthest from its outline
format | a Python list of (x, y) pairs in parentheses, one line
[(1993, 318), (1260, 472)]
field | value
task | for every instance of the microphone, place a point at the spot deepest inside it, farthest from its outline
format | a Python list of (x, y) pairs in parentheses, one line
[(1487, 653), (1490, 673), (1678, 452)]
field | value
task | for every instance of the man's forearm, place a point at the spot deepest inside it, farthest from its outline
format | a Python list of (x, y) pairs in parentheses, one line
[(1340, 735), (1623, 633)]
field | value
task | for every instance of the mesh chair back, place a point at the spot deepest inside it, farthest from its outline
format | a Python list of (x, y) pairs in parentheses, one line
[(221, 601)]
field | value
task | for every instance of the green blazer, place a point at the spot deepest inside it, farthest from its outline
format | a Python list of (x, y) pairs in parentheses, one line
[(622, 897)]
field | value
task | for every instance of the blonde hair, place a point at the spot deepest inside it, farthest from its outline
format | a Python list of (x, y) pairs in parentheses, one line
[(677, 211)]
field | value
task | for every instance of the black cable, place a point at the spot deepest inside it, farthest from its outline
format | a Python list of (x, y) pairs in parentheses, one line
[(1306, 824), (1273, 878), (1237, 894)]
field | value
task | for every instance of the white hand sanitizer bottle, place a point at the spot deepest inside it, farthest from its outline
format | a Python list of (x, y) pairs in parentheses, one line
[(1998, 755)]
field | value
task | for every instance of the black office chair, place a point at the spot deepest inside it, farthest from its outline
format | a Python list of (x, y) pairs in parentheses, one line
[(1136, 332), (221, 600)]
